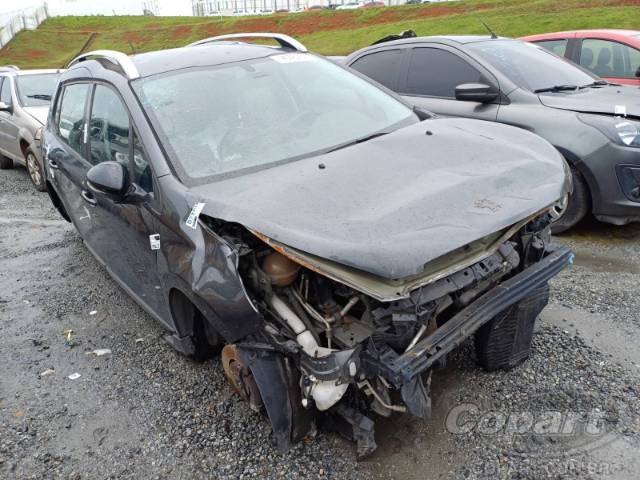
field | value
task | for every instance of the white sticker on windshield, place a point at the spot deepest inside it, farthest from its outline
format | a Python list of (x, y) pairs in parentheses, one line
[(192, 219), (621, 110), (293, 58)]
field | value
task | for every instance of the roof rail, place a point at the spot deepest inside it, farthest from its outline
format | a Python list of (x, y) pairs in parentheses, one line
[(285, 41), (9, 67), (121, 59)]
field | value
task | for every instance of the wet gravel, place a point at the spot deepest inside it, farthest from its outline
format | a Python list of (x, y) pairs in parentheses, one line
[(146, 411)]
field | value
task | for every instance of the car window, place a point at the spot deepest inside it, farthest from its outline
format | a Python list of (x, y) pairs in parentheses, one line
[(5, 92), (609, 59), (437, 73), (71, 116), (234, 118), (529, 66), (108, 128), (559, 47), (36, 90), (382, 66)]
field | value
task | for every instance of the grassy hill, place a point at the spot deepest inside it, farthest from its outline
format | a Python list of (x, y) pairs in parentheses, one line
[(329, 32)]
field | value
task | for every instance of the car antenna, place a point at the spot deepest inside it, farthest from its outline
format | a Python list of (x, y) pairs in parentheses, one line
[(493, 34)]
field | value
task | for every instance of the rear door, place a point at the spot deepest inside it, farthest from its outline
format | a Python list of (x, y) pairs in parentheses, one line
[(9, 143), (434, 71), (66, 155)]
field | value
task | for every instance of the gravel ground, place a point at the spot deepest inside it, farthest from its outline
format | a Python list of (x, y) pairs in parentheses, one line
[(145, 410)]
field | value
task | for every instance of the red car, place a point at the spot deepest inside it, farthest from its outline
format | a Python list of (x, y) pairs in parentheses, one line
[(611, 54)]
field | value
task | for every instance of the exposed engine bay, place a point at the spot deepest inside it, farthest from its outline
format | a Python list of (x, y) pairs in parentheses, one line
[(349, 354)]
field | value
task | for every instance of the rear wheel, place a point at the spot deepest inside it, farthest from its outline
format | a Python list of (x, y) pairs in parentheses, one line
[(5, 163), (577, 206), (34, 170), (505, 341)]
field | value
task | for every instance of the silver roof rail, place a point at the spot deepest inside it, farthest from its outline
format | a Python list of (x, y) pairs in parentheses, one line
[(121, 59), (284, 40)]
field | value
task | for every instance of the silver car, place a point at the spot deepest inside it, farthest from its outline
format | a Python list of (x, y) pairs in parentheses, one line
[(24, 106)]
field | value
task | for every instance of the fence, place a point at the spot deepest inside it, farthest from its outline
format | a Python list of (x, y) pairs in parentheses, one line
[(17, 21)]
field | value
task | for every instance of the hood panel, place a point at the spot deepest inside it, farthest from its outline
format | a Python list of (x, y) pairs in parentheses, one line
[(39, 113), (597, 100), (390, 205)]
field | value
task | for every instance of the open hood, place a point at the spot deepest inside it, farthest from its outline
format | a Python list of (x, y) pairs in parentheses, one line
[(390, 205), (606, 100)]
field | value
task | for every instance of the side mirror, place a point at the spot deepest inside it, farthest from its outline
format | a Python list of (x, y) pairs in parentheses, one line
[(109, 178), (5, 108), (476, 92)]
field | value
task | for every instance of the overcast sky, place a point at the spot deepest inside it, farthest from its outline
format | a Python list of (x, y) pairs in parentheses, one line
[(93, 7)]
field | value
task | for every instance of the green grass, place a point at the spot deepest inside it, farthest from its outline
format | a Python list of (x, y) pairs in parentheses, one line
[(329, 32)]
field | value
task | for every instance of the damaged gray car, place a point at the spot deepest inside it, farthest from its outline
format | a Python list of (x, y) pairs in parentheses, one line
[(331, 242)]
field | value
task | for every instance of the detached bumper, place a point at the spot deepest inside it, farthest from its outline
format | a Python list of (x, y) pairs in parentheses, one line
[(425, 353)]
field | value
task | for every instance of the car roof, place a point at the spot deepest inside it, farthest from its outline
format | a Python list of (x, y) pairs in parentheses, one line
[(212, 54), (461, 39)]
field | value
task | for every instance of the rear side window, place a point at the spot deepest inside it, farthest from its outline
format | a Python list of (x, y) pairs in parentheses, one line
[(606, 58), (5, 92), (383, 66), (437, 73), (559, 47), (71, 115), (108, 128)]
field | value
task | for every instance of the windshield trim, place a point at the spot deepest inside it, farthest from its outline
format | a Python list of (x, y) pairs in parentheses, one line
[(173, 159)]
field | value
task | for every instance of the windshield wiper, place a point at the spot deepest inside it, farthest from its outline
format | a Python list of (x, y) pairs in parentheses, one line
[(556, 88), (359, 140), (597, 83), (40, 96)]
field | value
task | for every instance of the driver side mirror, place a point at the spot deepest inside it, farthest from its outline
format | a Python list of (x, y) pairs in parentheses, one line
[(5, 108), (476, 92), (110, 179)]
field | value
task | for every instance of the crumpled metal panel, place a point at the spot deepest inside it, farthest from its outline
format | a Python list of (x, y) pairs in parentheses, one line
[(390, 205)]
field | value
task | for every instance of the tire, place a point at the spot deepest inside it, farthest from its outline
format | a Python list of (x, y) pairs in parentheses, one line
[(505, 341), (578, 205), (206, 341), (5, 163), (35, 171)]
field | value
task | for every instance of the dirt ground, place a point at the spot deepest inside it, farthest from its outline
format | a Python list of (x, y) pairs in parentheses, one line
[(145, 410)]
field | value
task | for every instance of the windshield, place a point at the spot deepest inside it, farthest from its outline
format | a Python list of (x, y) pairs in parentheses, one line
[(35, 90), (529, 66), (246, 115)]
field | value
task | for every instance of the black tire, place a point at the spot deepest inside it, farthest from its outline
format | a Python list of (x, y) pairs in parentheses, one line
[(206, 341), (5, 163), (578, 205), (505, 341), (35, 171)]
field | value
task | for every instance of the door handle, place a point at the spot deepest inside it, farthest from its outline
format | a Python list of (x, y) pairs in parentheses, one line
[(89, 198), (53, 164)]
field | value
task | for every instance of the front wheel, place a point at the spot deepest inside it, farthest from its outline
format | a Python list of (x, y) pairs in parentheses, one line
[(577, 206), (35, 172)]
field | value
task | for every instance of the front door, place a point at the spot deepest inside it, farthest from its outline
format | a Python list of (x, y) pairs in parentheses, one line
[(122, 228), (434, 72), (614, 61)]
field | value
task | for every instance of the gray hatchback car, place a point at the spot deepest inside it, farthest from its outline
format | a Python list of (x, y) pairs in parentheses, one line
[(24, 105)]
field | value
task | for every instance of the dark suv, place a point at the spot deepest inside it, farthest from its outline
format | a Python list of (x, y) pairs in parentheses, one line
[(268, 199), (593, 124)]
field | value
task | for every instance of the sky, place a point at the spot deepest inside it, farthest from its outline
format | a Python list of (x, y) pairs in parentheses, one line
[(93, 7)]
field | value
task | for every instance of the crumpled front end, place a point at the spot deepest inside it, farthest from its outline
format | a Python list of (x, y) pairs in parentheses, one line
[(343, 346)]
